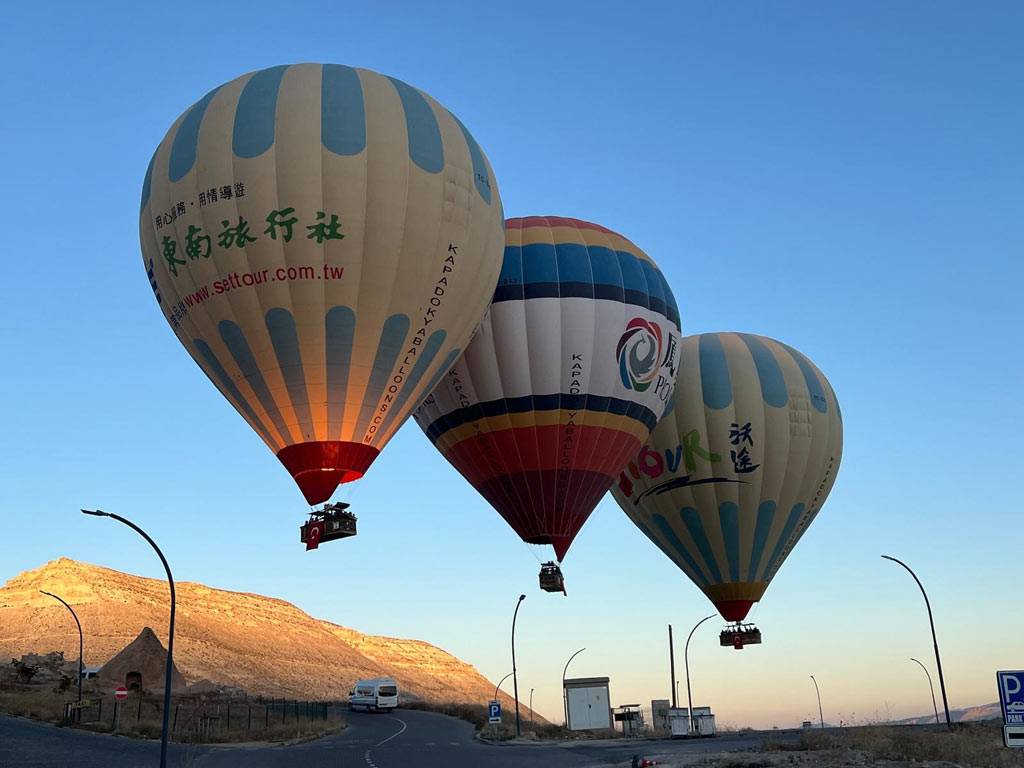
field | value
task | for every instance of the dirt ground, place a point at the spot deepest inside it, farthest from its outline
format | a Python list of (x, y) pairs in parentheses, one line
[(826, 759), (967, 746)]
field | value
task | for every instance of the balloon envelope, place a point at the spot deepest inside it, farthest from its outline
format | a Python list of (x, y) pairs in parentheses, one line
[(732, 476), (323, 240), (569, 372)]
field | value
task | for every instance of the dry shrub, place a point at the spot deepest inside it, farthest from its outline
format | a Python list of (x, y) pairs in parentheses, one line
[(477, 715), (971, 745), (38, 705)]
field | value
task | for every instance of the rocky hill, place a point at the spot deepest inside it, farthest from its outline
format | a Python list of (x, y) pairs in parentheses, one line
[(967, 715), (259, 644)]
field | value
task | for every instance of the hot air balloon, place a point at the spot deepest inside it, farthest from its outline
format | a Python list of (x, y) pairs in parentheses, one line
[(323, 241), (570, 370), (730, 479)]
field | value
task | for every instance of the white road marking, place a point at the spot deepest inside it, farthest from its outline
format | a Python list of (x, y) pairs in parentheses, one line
[(399, 732), (394, 735)]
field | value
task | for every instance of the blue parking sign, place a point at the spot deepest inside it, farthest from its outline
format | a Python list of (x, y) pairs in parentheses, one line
[(494, 712), (1011, 696)]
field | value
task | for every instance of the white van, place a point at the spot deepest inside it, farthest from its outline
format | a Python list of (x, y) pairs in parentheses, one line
[(379, 694)]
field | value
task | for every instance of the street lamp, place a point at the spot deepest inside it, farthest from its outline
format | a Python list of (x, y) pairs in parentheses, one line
[(506, 677), (686, 664), (515, 678), (935, 641), (81, 642), (930, 687), (820, 715), (531, 705), (565, 697), (170, 631)]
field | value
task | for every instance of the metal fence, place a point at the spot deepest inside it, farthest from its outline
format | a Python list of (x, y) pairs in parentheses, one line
[(200, 718)]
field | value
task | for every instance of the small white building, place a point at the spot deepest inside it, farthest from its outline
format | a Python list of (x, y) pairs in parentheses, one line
[(587, 704)]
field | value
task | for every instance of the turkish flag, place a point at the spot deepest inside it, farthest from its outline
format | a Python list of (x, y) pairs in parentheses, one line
[(314, 532)]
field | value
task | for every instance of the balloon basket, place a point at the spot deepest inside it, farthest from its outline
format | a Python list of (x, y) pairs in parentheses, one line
[(739, 635), (551, 579), (331, 522)]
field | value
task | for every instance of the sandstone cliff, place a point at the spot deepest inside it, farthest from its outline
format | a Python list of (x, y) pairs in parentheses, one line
[(259, 644)]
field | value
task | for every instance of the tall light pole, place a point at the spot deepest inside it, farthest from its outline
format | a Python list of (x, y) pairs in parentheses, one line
[(531, 705), (81, 642), (935, 641), (821, 717), (565, 696), (672, 666), (515, 678), (930, 687), (170, 631), (686, 663)]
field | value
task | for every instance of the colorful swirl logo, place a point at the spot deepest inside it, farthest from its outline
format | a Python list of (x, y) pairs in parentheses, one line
[(638, 352)]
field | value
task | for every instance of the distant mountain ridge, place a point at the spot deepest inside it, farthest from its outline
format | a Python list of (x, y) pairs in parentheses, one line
[(260, 644), (965, 715)]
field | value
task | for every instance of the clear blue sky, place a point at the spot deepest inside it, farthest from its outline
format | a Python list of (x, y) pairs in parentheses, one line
[(845, 177)]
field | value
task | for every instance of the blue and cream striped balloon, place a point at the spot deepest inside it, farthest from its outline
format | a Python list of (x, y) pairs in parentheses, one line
[(323, 240), (731, 478)]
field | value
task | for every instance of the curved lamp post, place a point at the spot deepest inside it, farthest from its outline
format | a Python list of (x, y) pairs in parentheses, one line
[(565, 697), (506, 677), (821, 717), (81, 642), (515, 678), (170, 631), (686, 663), (531, 705), (930, 686), (935, 641)]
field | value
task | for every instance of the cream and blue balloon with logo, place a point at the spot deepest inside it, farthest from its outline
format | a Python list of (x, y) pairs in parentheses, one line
[(730, 479), (323, 241)]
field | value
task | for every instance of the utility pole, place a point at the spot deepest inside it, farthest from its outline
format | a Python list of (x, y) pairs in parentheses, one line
[(672, 667)]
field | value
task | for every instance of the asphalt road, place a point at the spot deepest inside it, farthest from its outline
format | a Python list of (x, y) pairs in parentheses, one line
[(405, 739)]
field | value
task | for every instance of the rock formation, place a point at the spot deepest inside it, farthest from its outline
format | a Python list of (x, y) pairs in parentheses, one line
[(141, 664), (250, 642)]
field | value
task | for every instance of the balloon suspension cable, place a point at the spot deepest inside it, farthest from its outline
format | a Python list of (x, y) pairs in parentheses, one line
[(533, 551)]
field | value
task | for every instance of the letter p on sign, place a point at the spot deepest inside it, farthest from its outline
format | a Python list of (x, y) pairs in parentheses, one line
[(1011, 687)]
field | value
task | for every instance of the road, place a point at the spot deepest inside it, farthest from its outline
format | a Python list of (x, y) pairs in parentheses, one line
[(405, 739)]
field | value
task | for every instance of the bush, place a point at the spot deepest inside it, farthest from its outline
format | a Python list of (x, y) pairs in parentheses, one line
[(971, 745)]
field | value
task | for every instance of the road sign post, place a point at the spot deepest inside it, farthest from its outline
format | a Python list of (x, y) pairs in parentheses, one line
[(120, 694), (1011, 702), (494, 711)]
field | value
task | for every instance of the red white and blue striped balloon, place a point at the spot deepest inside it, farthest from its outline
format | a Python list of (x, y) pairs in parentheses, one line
[(569, 372)]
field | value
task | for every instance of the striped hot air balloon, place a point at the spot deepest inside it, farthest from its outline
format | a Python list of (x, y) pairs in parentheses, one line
[(572, 367), (323, 240), (730, 479)]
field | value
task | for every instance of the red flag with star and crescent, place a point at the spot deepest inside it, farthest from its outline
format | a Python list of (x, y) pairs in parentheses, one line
[(314, 532)]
